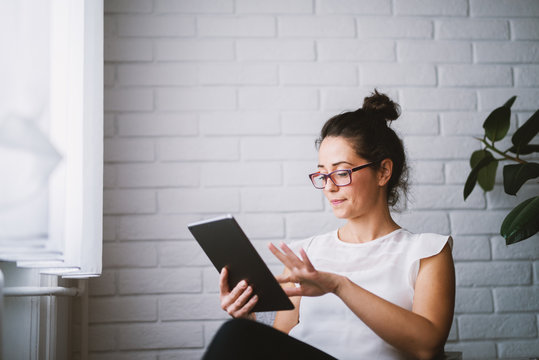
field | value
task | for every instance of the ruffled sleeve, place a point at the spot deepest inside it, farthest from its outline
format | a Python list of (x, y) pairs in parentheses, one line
[(424, 246)]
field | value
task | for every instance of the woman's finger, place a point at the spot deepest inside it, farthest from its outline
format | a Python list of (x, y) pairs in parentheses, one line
[(306, 260), (251, 303), (293, 291), (223, 281), (283, 278), (291, 256), (245, 311), (240, 302), (289, 259), (231, 297), (279, 255), (238, 289)]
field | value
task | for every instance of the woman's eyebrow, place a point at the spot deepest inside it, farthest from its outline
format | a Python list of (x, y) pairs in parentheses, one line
[(335, 164)]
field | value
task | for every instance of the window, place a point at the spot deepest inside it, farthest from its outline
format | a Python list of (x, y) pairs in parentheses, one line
[(51, 143)]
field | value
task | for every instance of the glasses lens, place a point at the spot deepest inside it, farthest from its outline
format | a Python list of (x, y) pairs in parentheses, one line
[(319, 180), (341, 177)]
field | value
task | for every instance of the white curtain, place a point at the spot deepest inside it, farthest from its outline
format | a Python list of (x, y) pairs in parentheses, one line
[(51, 135)]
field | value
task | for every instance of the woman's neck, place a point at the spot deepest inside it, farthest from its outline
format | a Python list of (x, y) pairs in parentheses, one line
[(369, 227)]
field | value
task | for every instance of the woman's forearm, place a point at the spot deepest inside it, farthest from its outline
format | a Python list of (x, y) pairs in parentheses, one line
[(404, 329), (421, 332)]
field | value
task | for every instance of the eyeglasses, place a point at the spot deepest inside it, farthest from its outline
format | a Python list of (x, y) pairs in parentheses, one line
[(338, 177)]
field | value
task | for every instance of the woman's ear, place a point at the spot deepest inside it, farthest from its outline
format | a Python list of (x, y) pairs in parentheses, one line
[(384, 171)]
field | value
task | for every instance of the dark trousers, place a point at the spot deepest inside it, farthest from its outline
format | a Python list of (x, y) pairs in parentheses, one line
[(245, 339)]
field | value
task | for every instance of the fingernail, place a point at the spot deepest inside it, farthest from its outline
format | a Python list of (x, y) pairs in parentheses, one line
[(243, 283)]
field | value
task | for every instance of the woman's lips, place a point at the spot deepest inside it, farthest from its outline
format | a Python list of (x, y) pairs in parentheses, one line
[(336, 201)]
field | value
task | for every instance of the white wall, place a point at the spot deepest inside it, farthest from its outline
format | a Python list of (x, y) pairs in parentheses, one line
[(212, 107)]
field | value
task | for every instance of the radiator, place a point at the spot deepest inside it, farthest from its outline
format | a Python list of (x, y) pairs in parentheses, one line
[(44, 342)]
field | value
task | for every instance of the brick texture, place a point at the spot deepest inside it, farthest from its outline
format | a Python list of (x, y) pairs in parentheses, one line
[(437, 7), (123, 309), (354, 6), (394, 27), (472, 28), (496, 326), (213, 106)]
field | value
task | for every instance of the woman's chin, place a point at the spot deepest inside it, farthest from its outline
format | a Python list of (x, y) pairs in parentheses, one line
[(340, 213)]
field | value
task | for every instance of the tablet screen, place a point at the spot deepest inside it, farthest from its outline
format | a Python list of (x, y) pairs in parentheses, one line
[(225, 244)]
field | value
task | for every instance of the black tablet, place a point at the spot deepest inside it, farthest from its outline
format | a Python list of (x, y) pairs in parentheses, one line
[(225, 243)]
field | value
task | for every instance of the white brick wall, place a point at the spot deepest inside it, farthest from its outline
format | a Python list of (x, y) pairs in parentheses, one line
[(212, 106)]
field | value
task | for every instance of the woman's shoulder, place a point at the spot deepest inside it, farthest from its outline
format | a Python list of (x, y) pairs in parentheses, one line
[(426, 244), (431, 238)]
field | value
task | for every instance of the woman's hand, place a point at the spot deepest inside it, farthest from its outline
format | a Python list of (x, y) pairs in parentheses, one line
[(311, 281), (239, 302)]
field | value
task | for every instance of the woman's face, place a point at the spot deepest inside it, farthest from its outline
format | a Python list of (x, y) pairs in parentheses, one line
[(364, 192)]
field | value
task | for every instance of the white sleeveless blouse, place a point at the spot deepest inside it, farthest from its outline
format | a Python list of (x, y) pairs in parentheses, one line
[(386, 266)]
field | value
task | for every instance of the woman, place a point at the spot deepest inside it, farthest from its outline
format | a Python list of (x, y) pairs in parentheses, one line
[(368, 290)]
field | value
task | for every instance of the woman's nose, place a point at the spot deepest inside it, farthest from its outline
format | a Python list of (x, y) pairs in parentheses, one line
[(330, 186)]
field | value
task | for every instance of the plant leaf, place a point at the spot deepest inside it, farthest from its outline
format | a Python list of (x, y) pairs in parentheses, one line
[(478, 161), (497, 123), (514, 176), (521, 222), (510, 102), (524, 149), (476, 157), (470, 184), (527, 131), (486, 177)]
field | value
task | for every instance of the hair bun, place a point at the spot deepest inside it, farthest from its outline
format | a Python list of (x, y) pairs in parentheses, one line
[(382, 106)]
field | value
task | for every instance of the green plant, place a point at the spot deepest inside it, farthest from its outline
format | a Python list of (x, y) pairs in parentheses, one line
[(523, 221)]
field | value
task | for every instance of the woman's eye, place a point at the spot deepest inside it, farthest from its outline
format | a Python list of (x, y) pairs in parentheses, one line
[(341, 174)]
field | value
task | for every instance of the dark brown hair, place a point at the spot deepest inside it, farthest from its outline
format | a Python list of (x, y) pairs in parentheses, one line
[(368, 131)]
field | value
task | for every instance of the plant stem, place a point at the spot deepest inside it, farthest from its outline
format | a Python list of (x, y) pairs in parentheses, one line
[(507, 157)]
